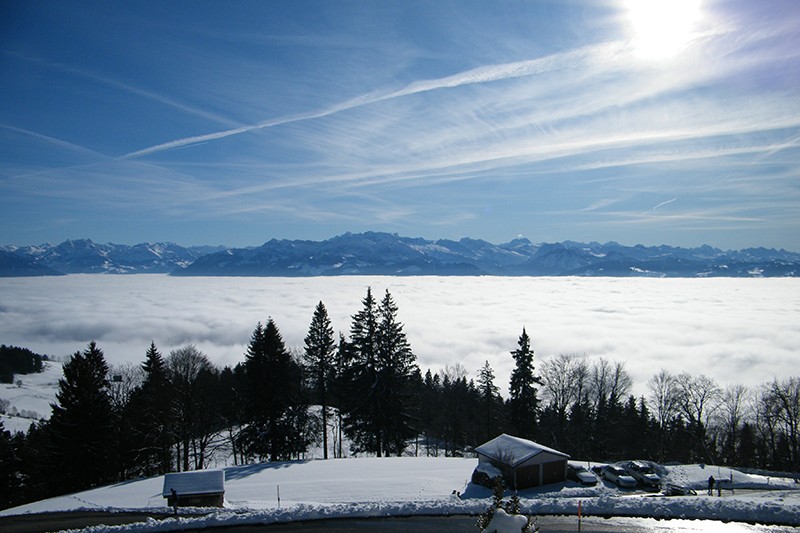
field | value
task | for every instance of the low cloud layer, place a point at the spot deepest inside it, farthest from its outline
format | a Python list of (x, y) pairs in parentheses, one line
[(734, 330)]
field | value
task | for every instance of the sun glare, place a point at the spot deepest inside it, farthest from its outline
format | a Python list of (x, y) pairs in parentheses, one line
[(662, 28)]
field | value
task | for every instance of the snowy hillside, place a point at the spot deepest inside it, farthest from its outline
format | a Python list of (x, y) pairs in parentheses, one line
[(369, 487), (30, 396)]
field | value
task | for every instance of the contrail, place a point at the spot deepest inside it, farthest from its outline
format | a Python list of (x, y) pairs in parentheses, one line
[(128, 88), (662, 204), (518, 69), (53, 140)]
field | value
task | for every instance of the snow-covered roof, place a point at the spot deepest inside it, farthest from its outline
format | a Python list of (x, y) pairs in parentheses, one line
[(514, 451), (196, 482)]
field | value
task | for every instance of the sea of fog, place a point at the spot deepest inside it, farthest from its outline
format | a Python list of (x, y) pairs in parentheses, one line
[(735, 330)]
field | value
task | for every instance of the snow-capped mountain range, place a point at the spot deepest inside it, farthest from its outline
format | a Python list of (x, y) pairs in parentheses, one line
[(87, 257), (375, 253)]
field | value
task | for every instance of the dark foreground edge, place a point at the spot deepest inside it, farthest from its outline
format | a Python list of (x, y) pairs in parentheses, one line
[(46, 522)]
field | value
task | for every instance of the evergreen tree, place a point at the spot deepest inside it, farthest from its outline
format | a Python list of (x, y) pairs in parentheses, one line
[(81, 423), (152, 412), (15, 360), (361, 380), (272, 387), (491, 402), (456, 420), (523, 405), (341, 389), (580, 429), (431, 420), (231, 387), (379, 373), (399, 369), (747, 450), (320, 350), (9, 469)]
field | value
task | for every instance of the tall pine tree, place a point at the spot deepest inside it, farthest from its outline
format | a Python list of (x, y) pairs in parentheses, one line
[(81, 423), (491, 404), (400, 372), (379, 376), (523, 405), (10, 474), (152, 412), (272, 387), (360, 379), (320, 349)]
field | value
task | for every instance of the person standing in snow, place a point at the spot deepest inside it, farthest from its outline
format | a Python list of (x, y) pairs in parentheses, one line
[(710, 485)]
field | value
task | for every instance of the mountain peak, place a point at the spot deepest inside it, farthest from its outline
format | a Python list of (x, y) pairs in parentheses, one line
[(382, 253)]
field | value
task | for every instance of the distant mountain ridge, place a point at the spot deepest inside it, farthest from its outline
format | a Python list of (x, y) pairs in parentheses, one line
[(83, 256), (389, 254), (375, 253)]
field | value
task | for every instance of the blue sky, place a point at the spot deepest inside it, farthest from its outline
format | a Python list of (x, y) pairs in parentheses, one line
[(236, 122)]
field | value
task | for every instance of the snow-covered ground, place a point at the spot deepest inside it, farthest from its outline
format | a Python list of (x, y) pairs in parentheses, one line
[(373, 487), (30, 396)]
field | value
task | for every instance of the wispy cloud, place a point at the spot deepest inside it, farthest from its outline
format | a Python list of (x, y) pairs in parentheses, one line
[(126, 87), (600, 204), (662, 204), (474, 76), (346, 124), (59, 143)]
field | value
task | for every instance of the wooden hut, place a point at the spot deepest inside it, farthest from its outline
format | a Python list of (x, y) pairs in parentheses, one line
[(199, 488)]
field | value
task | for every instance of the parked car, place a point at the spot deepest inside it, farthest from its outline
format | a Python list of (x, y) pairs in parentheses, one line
[(616, 474), (643, 473), (581, 475), (671, 489)]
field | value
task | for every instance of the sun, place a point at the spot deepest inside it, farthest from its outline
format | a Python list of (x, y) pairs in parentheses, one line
[(662, 28)]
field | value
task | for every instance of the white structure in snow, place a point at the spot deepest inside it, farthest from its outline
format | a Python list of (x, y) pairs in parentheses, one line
[(199, 488), (523, 463)]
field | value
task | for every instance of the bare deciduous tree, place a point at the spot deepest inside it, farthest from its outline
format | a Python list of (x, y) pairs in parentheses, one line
[(664, 399), (609, 382), (185, 366), (786, 399), (124, 380), (731, 412), (700, 397), (564, 377)]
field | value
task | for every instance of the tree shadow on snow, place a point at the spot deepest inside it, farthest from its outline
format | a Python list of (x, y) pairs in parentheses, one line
[(244, 471), (475, 491)]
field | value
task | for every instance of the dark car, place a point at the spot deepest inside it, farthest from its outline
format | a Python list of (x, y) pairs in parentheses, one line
[(581, 475)]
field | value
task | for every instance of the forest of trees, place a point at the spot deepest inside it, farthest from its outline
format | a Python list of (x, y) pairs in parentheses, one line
[(15, 360), (181, 412)]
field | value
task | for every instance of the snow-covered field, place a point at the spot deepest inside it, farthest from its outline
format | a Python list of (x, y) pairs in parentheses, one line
[(376, 487), (372, 487), (30, 396)]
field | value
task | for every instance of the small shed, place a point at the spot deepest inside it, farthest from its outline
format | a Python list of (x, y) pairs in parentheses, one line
[(524, 463), (199, 488)]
